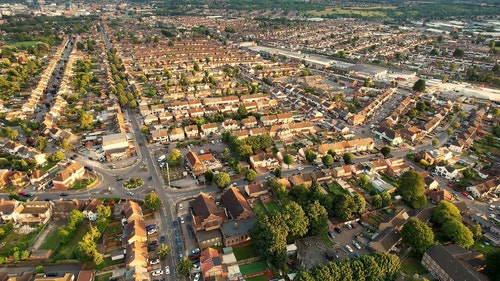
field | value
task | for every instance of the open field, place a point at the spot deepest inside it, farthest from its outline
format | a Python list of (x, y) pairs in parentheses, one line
[(24, 44), (366, 12)]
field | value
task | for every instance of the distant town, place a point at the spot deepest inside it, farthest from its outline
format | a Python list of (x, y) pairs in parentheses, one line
[(184, 140)]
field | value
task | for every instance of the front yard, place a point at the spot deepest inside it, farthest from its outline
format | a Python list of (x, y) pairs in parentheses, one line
[(245, 252)]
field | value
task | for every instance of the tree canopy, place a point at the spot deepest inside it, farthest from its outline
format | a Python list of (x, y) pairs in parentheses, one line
[(222, 180), (288, 159), (348, 158), (411, 188), (386, 151), (417, 235), (419, 86), (152, 201), (318, 218), (458, 233), (445, 211)]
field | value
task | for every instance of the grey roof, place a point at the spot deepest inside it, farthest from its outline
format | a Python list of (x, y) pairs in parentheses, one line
[(451, 265), (242, 226)]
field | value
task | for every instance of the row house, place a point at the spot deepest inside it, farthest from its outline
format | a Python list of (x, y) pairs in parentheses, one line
[(160, 135), (356, 119), (352, 146), (195, 163), (69, 176), (249, 122), (412, 134), (431, 124), (263, 160), (176, 134), (230, 125), (209, 129), (241, 134), (191, 131), (486, 188), (388, 135), (33, 212)]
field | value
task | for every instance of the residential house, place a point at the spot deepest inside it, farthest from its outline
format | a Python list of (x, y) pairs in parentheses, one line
[(388, 135), (237, 231), (7, 208), (195, 163), (386, 240), (150, 119), (431, 124), (249, 122), (430, 182), (63, 277), (115, 146), (131, 211), (136, 254), (37, 176), (159, 136), (447, 172), (211, 265), (395, 220), (322, 176), (90, 211), (342, 172), (18, 178), (210, 162), (396, 166), (209, 129), (341, 128), (300, 178), (62, 208), (176, 134), (237, 207), (69, 176), (452, 262), (356, 119), (135, 231), (255, 190), (230, 125), (192, 131), (486, 188), (264, 160), (412, 134), (437, 195), (33, 212), (206, 215)]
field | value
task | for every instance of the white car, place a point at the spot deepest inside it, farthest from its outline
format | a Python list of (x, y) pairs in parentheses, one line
[(356, 245), (182, 220), (167, 269), (348, 248), (180, 206), (156, 261), (157, 272), (152, 231), (300, 168), (130, 193), (197, 277)]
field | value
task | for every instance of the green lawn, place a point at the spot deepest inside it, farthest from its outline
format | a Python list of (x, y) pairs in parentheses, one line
[(48, 166), (411, 266), (259, 209), (113, 228), (52, 240), (103, 277), (245, 252), (25, 44), (257, 278), (335, 188), (273, 206), (66, 251), (370, 189), (484, 249), (108, 262), (253, 267)]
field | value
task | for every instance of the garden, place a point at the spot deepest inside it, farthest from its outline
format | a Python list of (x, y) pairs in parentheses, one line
[(133, 183)]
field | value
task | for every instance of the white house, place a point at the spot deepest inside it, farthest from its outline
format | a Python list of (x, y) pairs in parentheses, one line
[(447, 172)]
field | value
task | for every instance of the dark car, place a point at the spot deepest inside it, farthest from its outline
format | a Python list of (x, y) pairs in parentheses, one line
[(63, 194), (179, 249), (177, 240), (28, 195), (163, 239), (176, 224), (88, 168), (177, 232), (188, 218), (51, 274), (338, 230), (119, 179)]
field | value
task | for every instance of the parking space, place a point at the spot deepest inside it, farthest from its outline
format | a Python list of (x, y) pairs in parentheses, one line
[(186, 230), (346, 238)]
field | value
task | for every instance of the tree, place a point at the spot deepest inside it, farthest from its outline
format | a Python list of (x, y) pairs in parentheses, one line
[(327, 160), (419, 86), (311, 156), (288, 159), (348, 158), (85, 119), (222, 180), (12, 134), (363, 180), (386, 151), (250, 175), (152, 201), (458, 52), (39, 269), (66, 144), (492, 270), (296, 220), (449, 131), (163, 251), (458, 233), (435, 142), (344, 206), (175, 158), (477, 231), (386, 199), (318, 218), (376, 201), (56, 156), (359, 203), (277, 173), (444, 212), (209, 176), (41, 143), (184, 267), (455, 125), (269, 236), (417, 235), (411, 188)]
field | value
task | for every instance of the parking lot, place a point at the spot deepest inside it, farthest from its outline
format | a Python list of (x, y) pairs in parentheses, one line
[(346, 238)]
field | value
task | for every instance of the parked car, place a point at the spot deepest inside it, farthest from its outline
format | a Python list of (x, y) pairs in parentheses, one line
[(51, 274), (464, 193), (348, 248), (177, 240), (197, 277), (151, 226), (356, 255), (163, 239), (331, 235), (182, 220), (356, 245), (63, 194), (157, 272), (176, 224), (338, 230), (155, 261), (167, 269), (177, 232)]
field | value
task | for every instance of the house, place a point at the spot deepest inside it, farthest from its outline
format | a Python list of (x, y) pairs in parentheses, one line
[(136, 254), (160, 135), (209, 129), (150, 119), (341, 128), (210, 162), (18, 178), (135, 231), (237, 207), (176, 134), (356, 119), (386, 241), (211, 265), (395, 220), (33, 212), (249, 122), (396, 166), (300, 178), (412, 134), (237, 232), (447, 172), (387, 134), (90, 211), (264, 160), (206, 215), (195, 163), (191, 131), (62, 208), (256, 189), (452, 262), (342, 172), (430, 182), (230, 125), (485, 189), (38, 176), (437, 195), (7, 208), (64, 277), (69, 176), (131, 211)]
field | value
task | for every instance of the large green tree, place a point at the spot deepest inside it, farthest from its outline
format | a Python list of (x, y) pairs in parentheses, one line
[(492, 270), (327, 160), (152, 201), (269, 236), (184, 267), (318, 218), (417, 235), (458, 233), (163, 251), (288, 160), (296, 220), (222, 180), (41, 143), (419, 86), (344, 206), (348, 158), (175, 158), (444, 212), (386, 151), (411, 188), (311, 156), (250, 175)]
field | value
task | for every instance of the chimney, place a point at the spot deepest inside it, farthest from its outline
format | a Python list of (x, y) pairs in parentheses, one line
[(235, 226)]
